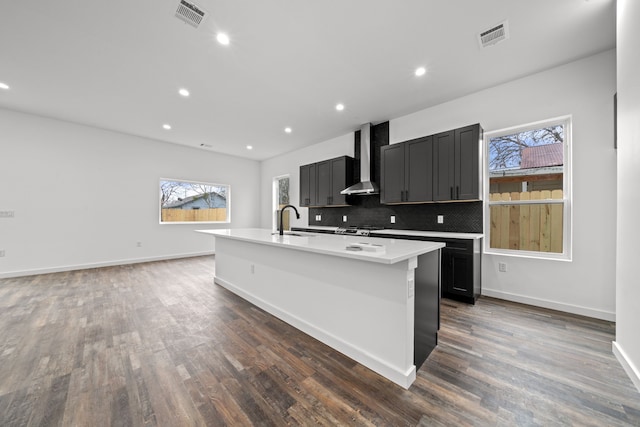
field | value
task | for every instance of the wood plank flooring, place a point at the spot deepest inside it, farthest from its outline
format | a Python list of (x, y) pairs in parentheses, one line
[(158, 344)]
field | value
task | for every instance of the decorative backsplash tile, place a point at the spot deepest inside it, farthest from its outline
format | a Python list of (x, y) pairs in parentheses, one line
[(460, 217)]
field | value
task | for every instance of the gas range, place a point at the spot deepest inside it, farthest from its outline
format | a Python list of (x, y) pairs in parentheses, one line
[(362, 230)]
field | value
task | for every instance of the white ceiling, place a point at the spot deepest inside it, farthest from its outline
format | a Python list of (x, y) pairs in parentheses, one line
[(118, 64)]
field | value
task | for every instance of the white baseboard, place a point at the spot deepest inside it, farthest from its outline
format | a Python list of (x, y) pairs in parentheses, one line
[(627, 365), (34, 272), (403, 379), (554, 305)]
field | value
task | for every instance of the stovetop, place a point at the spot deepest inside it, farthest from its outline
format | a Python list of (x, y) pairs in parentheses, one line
[(361, 230)]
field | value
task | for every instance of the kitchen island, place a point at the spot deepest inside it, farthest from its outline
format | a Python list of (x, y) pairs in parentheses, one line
[(375, 300)]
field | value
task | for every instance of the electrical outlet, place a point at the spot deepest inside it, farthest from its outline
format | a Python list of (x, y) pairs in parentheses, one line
[(393, 219), (7, 214), (502, 267), (318, 217), (440, 219), (139, 244), (1, 253), (344, 218)]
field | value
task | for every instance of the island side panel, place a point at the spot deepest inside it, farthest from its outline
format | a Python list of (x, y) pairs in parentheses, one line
[(427, 308), (362, 309)]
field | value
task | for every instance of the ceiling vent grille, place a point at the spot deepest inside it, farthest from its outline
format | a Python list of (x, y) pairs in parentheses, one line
[(494, 35), (190, 13)]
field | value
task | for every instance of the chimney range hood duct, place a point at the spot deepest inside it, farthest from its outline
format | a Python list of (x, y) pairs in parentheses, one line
[(365, 186)]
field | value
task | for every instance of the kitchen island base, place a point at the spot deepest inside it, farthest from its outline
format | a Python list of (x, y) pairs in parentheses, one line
[(366, 310)]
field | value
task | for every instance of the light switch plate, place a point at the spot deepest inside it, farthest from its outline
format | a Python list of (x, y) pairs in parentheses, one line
[(344, 218), (393, 219)]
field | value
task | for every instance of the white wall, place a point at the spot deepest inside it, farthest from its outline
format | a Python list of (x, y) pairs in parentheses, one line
[(84, 196), (627, 344), (583, 89)]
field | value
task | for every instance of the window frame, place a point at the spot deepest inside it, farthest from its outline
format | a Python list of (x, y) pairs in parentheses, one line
[(227, 199), (566, 201), (275, 190)]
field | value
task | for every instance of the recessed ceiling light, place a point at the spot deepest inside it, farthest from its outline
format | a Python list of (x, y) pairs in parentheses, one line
[(420, 71), (287, 130), (4, 86), (340, 107), (183, 92), (166, 126), (249, 147), (223, 39)]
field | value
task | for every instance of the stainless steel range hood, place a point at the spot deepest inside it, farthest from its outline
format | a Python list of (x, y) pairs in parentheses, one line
[(365, 186)]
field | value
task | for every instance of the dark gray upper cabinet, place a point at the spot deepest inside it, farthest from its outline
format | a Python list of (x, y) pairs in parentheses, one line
[(467, 175), (457, 164), (418, 173), (392, 173), (308, 190), (322, 182), (341, 178), (441, 167), (406, 172)]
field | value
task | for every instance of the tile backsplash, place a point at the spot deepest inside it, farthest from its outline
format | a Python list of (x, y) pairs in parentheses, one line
[(460, 217)]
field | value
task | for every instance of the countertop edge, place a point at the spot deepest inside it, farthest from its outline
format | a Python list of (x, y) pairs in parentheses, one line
[(287, 243)]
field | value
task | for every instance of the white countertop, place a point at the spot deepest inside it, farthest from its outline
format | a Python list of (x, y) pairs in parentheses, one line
[(440, 234), (396, 250)]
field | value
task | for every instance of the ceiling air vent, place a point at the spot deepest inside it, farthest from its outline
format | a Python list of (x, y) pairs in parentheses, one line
[(190, 13), (494, 35)]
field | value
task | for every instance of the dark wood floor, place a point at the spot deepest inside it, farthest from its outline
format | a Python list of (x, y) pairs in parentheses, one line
[(160, 344)]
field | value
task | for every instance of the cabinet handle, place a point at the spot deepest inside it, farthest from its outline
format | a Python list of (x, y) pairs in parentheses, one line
[(451, 192), (457, 192), (406, 195)]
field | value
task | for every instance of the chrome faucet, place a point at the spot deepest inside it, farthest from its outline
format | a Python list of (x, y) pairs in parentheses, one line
[(282, 211)]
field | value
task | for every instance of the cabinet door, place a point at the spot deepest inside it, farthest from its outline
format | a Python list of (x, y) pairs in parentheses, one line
[(457, 272), (324, 183), (443, 166), (341, 178), (419, 170), (392, 173), (308, 185), (467, 176)]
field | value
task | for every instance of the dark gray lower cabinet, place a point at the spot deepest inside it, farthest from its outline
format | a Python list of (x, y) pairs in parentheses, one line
[(461, 270), (460, 266)]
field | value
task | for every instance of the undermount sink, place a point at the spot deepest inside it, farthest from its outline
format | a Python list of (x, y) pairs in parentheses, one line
[(289, 233)]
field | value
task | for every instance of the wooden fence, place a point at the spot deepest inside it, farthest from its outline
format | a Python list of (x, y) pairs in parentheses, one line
[(530, 227), (194, 215)]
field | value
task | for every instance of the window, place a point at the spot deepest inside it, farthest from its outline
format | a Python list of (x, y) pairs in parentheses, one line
[(528, 198), (280, 199), (190, 201)]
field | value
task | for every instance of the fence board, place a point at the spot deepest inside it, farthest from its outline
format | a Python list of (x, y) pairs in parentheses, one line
[(556, 223), (194, 215), (534, 224), (504, 222), (525, 231), (514, 223), (532, 227)]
